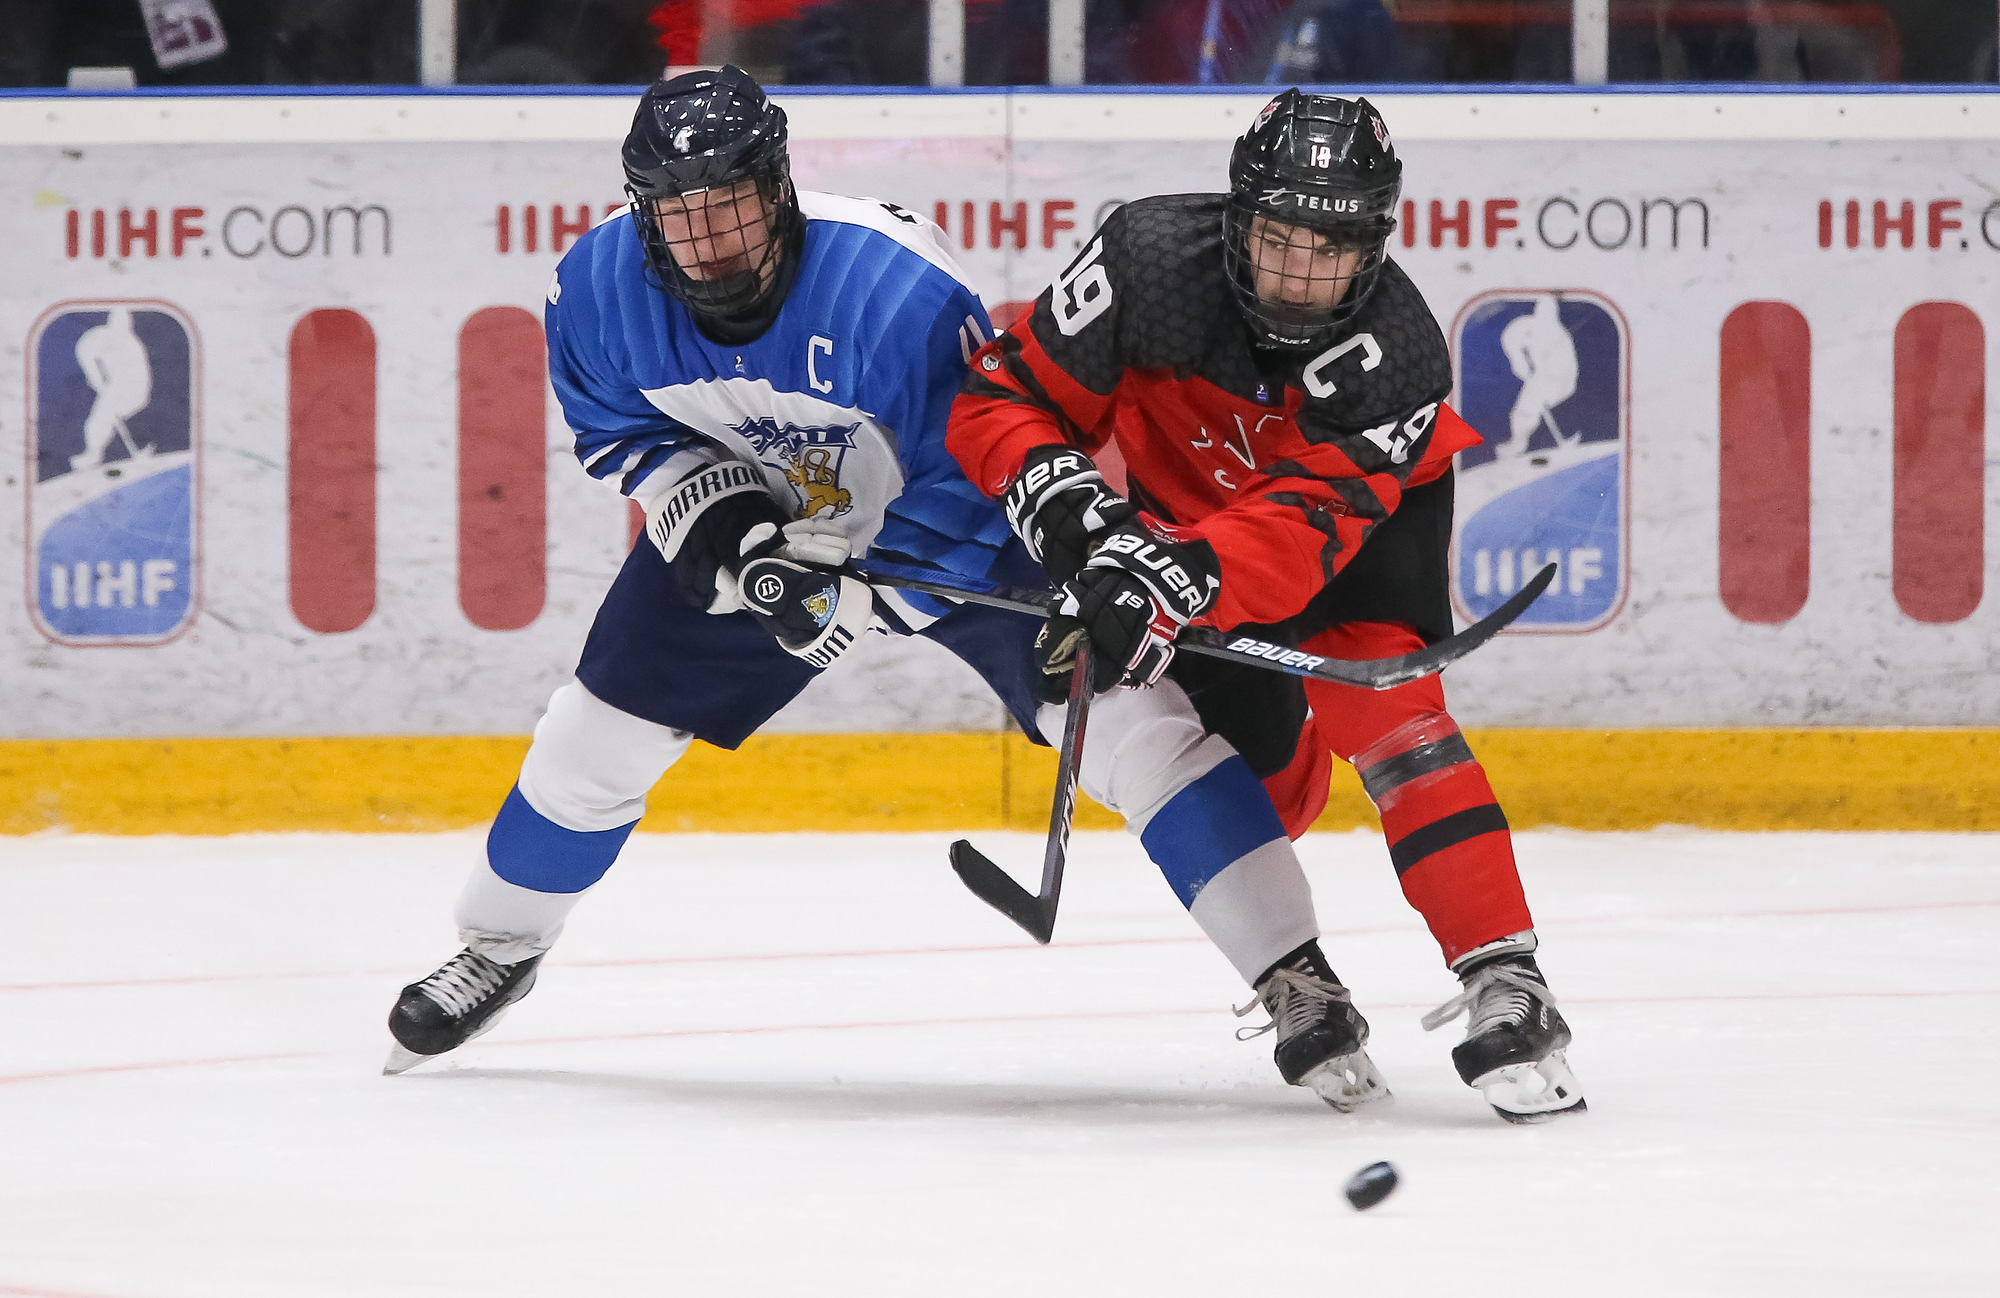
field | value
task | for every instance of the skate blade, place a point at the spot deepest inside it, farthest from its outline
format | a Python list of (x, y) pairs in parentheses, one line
[(402, 1061), (1533, 1092), (1346, 1082)]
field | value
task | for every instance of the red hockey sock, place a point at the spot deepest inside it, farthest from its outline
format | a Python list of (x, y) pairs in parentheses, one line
[(1446, 833)]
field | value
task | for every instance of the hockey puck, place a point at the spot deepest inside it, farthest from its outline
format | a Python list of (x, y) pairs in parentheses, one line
[(1370, 1185)]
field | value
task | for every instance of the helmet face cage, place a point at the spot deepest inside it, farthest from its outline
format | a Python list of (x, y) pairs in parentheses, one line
[(1297, 284), (709, 177), (721, 250)]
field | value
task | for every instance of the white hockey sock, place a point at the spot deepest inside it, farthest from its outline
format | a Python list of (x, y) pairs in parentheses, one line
[(506, 922), (1258, 910)]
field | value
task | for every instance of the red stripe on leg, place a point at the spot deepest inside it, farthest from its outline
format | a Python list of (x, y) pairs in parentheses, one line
[(1430, 798), (1349, 717)]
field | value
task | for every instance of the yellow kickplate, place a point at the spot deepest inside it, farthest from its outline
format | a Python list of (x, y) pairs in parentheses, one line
[(1942, 779)]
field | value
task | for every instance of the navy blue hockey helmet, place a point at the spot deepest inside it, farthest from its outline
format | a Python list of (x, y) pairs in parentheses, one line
[(1314, 173), (710, 181)]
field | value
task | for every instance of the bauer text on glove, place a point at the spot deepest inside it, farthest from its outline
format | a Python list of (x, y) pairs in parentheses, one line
[(1131, 600), (1060, 508)]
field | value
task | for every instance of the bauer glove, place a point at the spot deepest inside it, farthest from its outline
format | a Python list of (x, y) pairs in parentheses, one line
[(1060, 508), (1131, 599)]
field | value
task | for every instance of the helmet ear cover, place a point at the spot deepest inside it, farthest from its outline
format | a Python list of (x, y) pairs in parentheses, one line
[(695, 135)]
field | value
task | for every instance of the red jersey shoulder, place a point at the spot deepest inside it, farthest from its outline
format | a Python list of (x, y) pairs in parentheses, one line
[(1167, 260)]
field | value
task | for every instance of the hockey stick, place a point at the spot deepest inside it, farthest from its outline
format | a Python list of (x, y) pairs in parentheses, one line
[(1037, 912), (1369, 673)]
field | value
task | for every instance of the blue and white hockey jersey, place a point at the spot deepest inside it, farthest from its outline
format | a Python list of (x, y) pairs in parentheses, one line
[(842, 401)]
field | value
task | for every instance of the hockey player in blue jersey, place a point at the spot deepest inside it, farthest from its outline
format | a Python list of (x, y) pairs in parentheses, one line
[(768, 373)]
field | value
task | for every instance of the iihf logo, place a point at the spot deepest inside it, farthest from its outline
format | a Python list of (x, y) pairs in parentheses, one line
[(1542, 376), (113, 461)]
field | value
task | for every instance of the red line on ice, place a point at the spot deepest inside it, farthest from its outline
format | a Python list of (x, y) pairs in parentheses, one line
[(157, 1066), (890, 1024), (1580, 921)]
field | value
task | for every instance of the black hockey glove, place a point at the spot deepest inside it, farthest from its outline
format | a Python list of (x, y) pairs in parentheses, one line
[(720, 517), (1060, 508), (701, 524), (1131, 599)]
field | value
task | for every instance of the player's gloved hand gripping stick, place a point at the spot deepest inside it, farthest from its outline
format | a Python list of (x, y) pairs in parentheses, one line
[(733, 548)]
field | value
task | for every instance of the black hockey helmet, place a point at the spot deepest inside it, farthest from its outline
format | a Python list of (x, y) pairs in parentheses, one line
[(1323, 164), (706, 131)]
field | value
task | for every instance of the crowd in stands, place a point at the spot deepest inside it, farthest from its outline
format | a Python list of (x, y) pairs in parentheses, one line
[(886, 42)]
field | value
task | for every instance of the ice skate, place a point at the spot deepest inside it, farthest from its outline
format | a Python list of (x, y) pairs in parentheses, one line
[(1320, 1034), (1515, 1038), (462, 1000)]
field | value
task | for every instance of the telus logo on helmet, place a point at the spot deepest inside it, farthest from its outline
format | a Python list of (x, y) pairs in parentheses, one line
[(1331, 206)]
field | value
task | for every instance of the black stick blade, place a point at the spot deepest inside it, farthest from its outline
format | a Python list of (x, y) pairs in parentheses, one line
[(992, 885)]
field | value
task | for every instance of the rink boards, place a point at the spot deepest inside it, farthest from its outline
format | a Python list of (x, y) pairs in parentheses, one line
[(282, 462), (1750, 779)]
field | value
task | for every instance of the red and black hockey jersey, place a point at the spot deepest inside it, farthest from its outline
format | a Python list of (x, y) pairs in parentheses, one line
[(1283, 461)]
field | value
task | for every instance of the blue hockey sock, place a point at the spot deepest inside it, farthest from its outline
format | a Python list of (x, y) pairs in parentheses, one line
[(1210, 825), (529, 850)]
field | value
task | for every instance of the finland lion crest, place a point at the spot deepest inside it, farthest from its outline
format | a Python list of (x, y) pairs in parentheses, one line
[(810, 459)]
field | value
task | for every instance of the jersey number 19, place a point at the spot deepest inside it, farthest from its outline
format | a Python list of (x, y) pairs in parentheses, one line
[(1082, 293)]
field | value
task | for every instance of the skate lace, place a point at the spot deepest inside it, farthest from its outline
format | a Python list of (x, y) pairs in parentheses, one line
[(464, 980), (1495, 995), (1294, 1000)]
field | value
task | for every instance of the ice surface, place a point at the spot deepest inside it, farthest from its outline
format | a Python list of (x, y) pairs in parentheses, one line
[(815, 1066)]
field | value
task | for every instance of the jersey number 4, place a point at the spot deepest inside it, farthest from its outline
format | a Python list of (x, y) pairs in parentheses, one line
[(1396, 442), (1082, 293)]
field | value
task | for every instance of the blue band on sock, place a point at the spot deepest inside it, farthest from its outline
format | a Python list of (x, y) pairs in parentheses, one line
[(529, 850), (1208, 826)]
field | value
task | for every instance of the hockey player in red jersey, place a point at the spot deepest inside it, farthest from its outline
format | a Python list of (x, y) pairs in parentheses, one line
[(1276, 386)]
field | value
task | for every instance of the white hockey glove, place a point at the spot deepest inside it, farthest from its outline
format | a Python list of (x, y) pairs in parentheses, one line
[(1060, 508), (801, 541), (1132, 599), (815, 615)]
